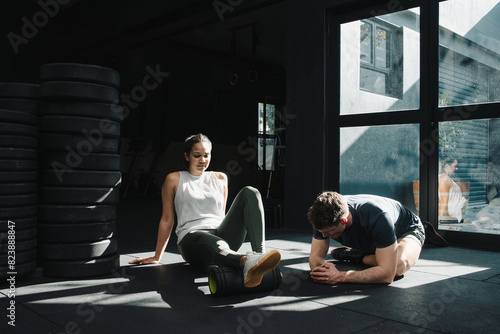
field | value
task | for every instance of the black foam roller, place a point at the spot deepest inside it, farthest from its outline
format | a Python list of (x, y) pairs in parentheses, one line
[(226, 281)]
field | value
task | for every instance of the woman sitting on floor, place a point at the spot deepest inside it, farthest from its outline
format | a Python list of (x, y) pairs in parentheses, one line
[(205, 234)]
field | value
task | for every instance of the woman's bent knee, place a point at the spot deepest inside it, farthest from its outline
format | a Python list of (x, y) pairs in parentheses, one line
[(250, 193), (249, 190)]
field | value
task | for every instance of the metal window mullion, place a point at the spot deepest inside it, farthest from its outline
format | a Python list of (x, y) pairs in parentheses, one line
[(331, 147), (429, 90)]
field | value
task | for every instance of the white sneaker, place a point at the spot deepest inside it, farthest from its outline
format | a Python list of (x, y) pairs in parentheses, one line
[(258, 265)]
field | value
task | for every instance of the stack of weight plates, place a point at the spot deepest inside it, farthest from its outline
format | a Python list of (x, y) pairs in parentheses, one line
[(20, 97), (80, 170), (18, 177)]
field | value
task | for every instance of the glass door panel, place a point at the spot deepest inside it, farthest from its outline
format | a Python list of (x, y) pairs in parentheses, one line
[(469, 177), (469, 52), (469, 149), (380, 160)]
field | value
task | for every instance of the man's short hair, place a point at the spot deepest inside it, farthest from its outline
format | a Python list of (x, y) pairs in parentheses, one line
[(327, 210)]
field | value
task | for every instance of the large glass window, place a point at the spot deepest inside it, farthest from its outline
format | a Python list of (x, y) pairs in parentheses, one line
[(469, 63), (380, 160), (380, 63), (469, 149), (413, 111), (467, 175)]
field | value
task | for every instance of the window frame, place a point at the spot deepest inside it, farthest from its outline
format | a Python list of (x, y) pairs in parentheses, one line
[(265, 136), (392, 73), (427, 115)]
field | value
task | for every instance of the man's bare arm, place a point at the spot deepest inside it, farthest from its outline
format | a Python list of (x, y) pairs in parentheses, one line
[(319, 248), (383, 272)]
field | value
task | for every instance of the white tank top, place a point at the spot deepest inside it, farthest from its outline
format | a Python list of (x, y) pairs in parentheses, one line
[(199, 203)]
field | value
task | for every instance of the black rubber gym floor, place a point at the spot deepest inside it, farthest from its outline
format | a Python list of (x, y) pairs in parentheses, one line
[(450, 290)]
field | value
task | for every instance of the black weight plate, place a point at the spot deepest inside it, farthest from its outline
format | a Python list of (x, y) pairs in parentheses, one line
[(18, 153), (20, 235), (78, 195), (22, 269), (80, 125), (20, 257), (76, 213), (17, 212), (19, 90), (17, 188), (17, 200), (80, 161), (110, 111), (82, 144), (80, 91), (29, 106), (80, 72), (21, 246), (18, 177), (9, 141), (80, 251), (18, 129), (81, 178), (18, 165), (80, 269), (18, 223), (76, 233), (20, 117)]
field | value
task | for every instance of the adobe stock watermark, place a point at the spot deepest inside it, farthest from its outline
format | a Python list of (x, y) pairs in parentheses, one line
[(93, 138), (87, 312), (222, 7), (249, 147), (150, 81), (30, 28)]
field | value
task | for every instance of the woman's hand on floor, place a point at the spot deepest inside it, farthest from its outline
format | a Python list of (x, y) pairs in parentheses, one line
[(144, 260)]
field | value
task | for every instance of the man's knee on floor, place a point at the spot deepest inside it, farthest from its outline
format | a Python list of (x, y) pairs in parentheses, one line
[(405, 262), (402, 267)]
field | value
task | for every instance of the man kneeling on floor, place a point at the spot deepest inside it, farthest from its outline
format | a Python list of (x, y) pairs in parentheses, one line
[(375, 231)]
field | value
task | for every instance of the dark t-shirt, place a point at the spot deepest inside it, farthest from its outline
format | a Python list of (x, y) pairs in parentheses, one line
[(377, 222)]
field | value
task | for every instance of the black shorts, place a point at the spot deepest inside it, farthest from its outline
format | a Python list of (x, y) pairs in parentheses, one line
[(417, 233)]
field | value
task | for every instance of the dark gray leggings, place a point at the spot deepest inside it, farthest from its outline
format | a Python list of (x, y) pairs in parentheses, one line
[(246, 215)]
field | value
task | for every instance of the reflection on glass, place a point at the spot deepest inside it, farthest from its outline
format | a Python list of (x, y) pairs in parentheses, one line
[(380, 160), (469, 65), (382, 51), (380, 63), (365, 41), (453, 195), (269, 148), (469, 179), (268, 120)]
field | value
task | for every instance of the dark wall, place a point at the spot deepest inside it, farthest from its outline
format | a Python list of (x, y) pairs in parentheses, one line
[(305, 101), (20, 57), (196, 96), (191, 93)]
